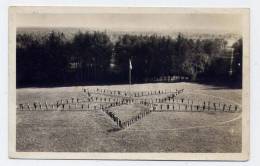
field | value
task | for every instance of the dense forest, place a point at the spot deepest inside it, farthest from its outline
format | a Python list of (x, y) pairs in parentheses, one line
[(92, 58)]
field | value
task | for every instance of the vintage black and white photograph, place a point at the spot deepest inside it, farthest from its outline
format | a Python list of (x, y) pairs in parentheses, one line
[(138, 81)]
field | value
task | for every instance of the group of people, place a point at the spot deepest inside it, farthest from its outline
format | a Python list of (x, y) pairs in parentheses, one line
[(195, 107), (136, 118), (75, 103), (170, 103), (127, 93), (113, 117)]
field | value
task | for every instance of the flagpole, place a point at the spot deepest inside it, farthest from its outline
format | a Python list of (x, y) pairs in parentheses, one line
[(130, 68), (129, 81)]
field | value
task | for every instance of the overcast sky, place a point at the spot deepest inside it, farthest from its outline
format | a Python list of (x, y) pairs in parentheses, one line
[(137, 22)]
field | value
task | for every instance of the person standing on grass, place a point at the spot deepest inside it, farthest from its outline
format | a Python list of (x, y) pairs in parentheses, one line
[(46, 104), (35, 105), (40, 105), (224, 106)]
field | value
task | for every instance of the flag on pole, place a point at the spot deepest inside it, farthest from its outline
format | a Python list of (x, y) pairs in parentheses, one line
[(130, 64)]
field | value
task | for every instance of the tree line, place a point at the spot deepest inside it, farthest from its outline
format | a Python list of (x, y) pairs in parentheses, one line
[(93, 58)]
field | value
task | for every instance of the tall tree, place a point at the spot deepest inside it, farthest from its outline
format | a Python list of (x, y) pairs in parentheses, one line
[(238, 60)]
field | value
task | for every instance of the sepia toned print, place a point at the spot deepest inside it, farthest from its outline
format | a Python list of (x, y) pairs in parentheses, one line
[(129, 83)]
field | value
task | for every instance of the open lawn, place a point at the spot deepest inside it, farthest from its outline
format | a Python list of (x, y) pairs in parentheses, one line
[(91, 131)]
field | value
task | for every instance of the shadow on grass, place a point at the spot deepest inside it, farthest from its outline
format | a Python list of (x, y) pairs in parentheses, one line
[(85, 84), (114, 130), (216, 85)]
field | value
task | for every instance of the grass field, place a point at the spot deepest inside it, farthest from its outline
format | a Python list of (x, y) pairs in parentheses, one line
[(90, 131)]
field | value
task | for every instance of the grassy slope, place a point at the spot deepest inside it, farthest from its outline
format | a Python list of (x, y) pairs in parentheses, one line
[(89, 131)]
